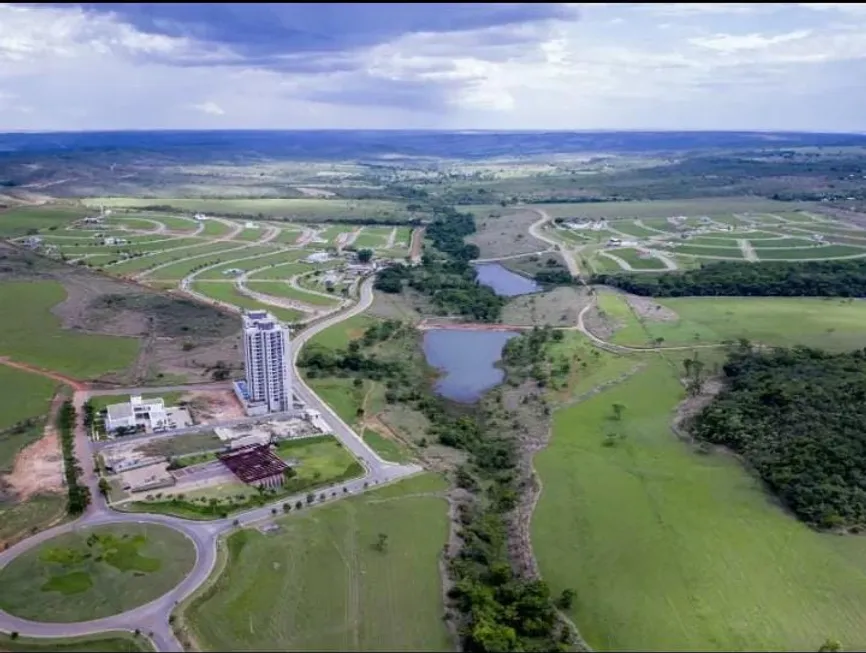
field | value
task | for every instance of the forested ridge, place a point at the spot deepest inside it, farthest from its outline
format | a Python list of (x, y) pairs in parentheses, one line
[(845, 278), (798, 417)]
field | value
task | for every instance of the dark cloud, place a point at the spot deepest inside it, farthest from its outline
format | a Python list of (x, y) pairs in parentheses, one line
[(259, 30)]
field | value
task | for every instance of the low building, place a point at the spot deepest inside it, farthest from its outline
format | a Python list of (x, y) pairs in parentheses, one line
[(33, 241), (251, 225), (120, 459), (201, 217), (150, 415), (257, 465), (151, 477), (318, 257)]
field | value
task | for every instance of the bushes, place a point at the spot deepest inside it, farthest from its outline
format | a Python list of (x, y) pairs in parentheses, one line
[(764, 279), (78, 494)]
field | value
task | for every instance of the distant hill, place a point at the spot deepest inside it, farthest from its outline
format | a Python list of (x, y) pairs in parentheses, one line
[(383, 145)]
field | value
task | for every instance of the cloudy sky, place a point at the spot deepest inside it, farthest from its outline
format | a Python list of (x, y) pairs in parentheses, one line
[(439, 66)]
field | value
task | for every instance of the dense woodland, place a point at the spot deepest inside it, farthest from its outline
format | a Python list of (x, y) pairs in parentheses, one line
[(445, 274), (798, 417), (845, 278)]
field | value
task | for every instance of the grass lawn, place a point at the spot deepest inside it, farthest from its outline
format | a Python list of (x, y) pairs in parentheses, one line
[(712, 252), (337, 591), (826, 323), (32, 334), (340, 335), (370, 241), (215, 229), (108, 642), (18, 221), (403, 238), (24, 395), (633, 258), (811, 253), (632, 229), (228, 293), (177, 253), (287, 291), (182, 268), (388, 448), (262, 260), (668, 549), (251, 234), (340, 394), (297, 209), (331, 232), (18, 519), (95, 572), (781, 243)]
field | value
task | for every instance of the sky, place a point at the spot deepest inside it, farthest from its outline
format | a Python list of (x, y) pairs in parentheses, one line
[(553, 66)]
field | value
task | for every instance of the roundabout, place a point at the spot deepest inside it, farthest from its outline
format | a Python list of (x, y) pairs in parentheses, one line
[(97, 572)]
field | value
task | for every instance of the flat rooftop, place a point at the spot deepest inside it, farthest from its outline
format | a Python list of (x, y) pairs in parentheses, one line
[(253, 463)]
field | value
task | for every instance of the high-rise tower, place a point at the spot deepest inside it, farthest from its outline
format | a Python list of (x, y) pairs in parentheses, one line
[(267, 354)]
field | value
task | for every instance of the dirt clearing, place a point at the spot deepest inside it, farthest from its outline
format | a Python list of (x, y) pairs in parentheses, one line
[(39, 466), (647, 309), (559, 307), (216, 406), (506, 235)]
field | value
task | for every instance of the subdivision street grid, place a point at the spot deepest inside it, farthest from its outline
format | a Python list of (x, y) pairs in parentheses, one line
[(153, 618)]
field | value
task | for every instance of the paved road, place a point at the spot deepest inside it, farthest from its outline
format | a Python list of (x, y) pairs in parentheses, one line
[(535, 232), (154, 616)]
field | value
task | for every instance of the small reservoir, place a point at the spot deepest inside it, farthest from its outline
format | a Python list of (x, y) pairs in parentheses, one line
[(467, 360), (503, 281)]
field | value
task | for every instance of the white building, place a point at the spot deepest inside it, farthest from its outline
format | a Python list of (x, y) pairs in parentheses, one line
[(318, 257), (147, 412), (267, 354)]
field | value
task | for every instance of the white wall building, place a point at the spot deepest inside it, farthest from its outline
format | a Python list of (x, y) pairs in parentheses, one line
[(267, 354), (149, 412)]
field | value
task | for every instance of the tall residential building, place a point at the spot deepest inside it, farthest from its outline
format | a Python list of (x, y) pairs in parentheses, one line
[(267, 353)]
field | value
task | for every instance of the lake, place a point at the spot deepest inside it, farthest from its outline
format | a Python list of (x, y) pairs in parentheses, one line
[(467, 360), (503, 281)]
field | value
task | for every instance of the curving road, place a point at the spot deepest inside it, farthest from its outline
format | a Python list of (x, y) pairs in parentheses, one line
[(535, 232), (153, 618)]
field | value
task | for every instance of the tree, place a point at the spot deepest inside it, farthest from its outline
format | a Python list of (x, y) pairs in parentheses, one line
[(566, 599), (287, 507), (830, 645), (311, 497), (618, 410), (381, 543), (298, 504), (365, 255), (104, 487)]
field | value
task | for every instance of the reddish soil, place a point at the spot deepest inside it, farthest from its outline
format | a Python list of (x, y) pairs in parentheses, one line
[(61, 378), (214, 406), (39, 466), (415, 246)]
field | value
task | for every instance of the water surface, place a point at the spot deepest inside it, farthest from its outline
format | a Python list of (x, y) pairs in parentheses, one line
[(467, 360), (503, 281)]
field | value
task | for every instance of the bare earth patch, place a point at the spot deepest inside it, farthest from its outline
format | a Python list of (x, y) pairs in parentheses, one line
[(39, 466), (315, 192), (506, 235), (559, 307), (216, 406), (601, 324), (647, 309), (692, 405)]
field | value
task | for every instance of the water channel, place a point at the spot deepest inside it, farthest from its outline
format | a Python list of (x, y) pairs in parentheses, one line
[(503, 281)]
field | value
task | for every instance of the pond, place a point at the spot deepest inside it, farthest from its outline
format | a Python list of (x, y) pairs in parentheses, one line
[(503, 281), (467, 360)]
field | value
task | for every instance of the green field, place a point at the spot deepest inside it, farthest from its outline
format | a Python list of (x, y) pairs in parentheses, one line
[(108, 642), (668, 549), (172, 222), (336, 591), (341, 334), (19, 518), (388, 448), (331, 233), (182, 268), (24, 395), (288, 236), (146, 262), (18, 221), (713, 241), (714, 252), (782, 243), (251, 234), (216, 229), (826, 323), (33, 334), (252, 263), (311, 209), (228, 293), (369, 241), (802, 253), (130, 222), (95, 572), (287, 291), (632, 229), (633, 258)]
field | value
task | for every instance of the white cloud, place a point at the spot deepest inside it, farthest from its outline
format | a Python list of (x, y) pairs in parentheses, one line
[(737, 42), (211, 108)]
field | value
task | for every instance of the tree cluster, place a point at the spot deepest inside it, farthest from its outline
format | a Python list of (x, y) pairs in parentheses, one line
[(843, 278), (798, 417), (78, 493)]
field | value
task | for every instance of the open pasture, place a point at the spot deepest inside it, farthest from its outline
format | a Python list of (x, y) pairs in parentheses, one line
[(182, 268), (95, 572), (632, 229), (228, 293), (33, 334), (339, 589), (708, 251), (306, 209), (811, 253), (657, 208), (367, 240), (637, 261), (283, 271), (173, 223), (19, 221), (782, 242), (285, 290), (241, 262), (668, 549), (146, 262)]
